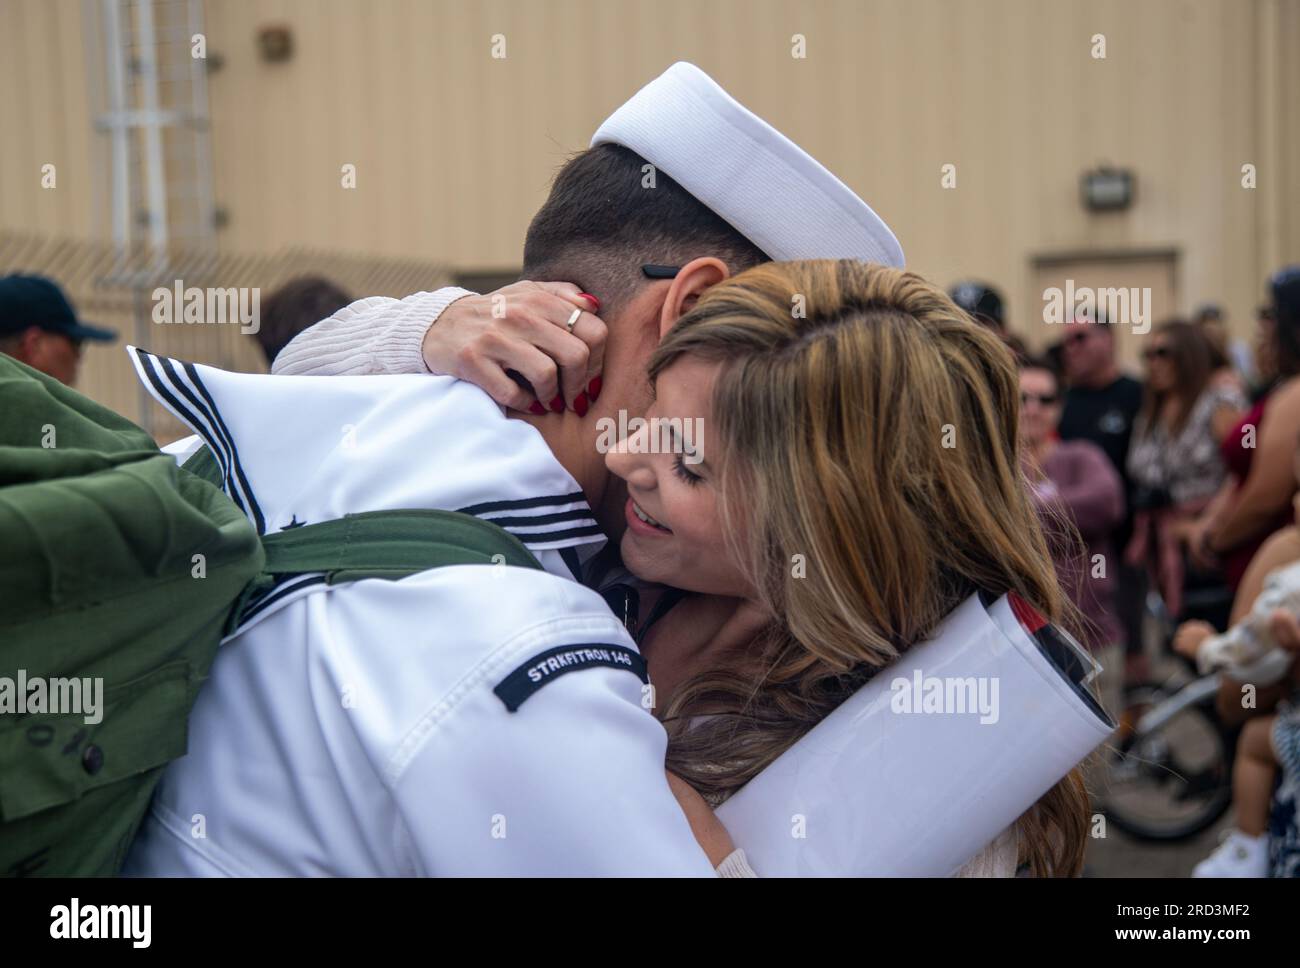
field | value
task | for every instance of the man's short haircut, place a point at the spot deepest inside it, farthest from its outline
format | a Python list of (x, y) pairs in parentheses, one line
[(609, 213), (1039, 362), (298, 304)]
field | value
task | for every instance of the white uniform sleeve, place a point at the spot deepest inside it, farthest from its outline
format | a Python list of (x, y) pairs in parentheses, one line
[(370, 336), (572, 784)]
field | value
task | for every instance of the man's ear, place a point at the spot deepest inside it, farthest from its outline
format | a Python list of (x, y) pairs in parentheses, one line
[(687, 287), (29, 345)]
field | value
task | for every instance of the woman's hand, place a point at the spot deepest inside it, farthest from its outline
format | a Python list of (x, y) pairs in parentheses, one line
[(1197, 537), (708, 829), (1190, 635), (523, 327)]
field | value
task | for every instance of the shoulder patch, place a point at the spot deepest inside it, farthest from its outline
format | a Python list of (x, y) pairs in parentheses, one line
[(550, 665)]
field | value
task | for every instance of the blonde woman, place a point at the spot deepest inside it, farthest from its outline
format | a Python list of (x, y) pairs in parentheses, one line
[(825, 433)]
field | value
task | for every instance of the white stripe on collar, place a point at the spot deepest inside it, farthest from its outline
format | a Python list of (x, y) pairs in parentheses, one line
[(296, 450)]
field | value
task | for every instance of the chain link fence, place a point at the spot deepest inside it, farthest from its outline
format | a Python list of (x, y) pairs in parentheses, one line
[(111, 287)]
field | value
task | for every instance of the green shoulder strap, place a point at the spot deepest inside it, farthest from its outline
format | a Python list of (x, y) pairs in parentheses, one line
[(382, 544), (373, 544), (392, 544)]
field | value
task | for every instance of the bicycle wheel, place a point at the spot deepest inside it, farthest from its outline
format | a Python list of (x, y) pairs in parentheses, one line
[(1174, 782)]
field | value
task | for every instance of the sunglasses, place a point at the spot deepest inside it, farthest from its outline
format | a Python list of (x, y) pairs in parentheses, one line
[(1043, 399), (652, 271), (1156, 353)]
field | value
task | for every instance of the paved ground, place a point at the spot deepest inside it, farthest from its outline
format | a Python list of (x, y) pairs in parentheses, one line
[(1119, 855)]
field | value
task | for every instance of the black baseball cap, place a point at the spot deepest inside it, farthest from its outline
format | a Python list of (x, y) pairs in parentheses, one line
[(978, 299), (36, 301), (1284, 287)]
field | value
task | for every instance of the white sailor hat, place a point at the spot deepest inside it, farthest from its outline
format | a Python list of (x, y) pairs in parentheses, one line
[(768, 188)]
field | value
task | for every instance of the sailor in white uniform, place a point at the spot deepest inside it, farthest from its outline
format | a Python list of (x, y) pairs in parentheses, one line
[(466, 720)]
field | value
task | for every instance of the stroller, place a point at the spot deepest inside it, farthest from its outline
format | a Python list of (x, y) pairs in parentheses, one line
[(1169, 765)]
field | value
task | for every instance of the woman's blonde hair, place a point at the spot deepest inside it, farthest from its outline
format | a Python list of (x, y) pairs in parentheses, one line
[(870, 428)]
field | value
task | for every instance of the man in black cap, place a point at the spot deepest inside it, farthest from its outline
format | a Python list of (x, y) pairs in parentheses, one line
[(983, 303), (39, 327), (980, 300)]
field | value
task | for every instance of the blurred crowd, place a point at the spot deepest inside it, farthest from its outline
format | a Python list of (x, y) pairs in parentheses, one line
[(40, 327), (1169, 503)]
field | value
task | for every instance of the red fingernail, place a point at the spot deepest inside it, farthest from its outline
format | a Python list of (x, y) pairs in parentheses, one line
[(536, 408), (558, 404), (580, 404), (594, 301), (593, 389)]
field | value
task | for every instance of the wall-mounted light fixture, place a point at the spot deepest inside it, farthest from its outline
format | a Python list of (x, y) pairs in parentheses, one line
[(1107, 189), (275, 43)]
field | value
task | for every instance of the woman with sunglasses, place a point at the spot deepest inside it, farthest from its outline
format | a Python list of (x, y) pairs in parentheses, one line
[(1074, 483), (1175, 462)]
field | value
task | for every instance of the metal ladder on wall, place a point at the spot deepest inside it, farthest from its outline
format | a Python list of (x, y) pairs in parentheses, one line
[(149, 101)]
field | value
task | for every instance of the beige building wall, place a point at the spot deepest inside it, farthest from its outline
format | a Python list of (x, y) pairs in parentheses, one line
[(454, 148), (45, 119)]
